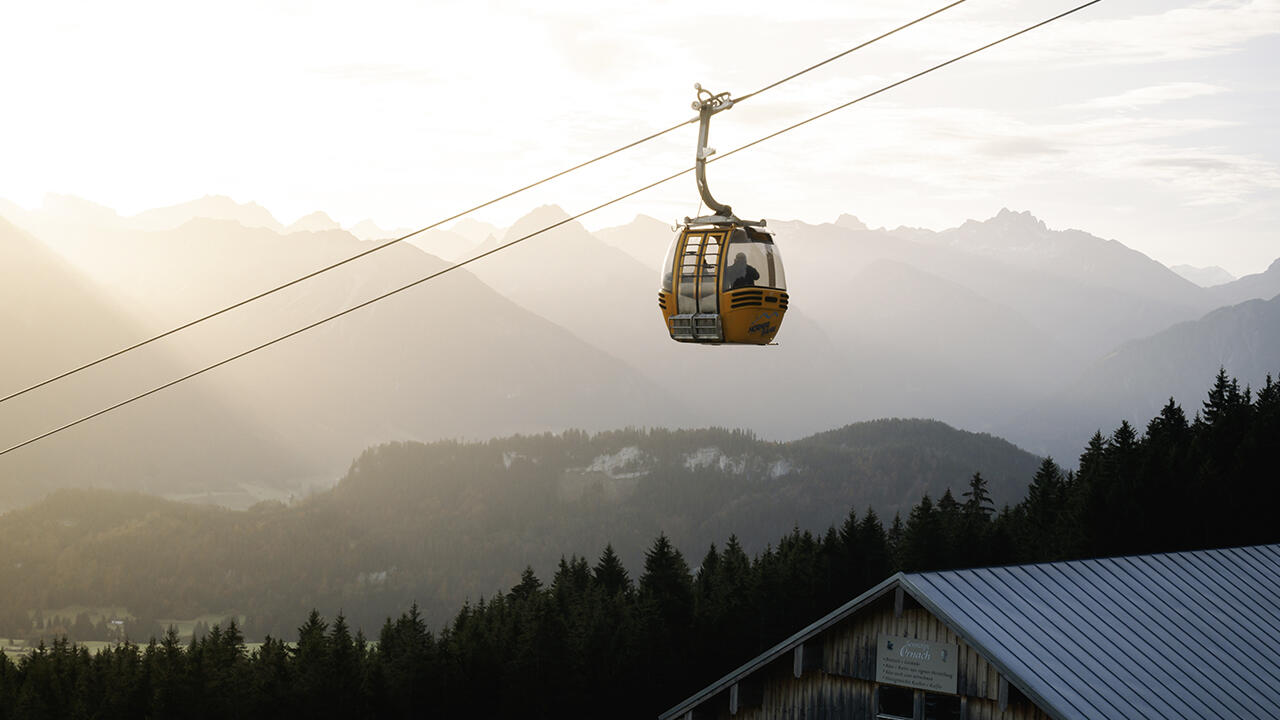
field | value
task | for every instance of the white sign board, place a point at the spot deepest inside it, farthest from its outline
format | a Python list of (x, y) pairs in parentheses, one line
[(916, 663)]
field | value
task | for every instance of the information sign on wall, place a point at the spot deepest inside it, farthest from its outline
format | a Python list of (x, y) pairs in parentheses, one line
[(916, 663)]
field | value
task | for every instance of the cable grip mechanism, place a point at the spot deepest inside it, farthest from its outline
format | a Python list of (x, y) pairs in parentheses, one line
[(708, 104)]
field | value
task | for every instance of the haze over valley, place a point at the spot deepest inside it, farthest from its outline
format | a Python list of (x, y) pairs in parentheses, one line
[(1001, 325)]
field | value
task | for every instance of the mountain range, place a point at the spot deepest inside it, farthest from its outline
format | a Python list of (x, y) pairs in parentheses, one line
[(1138, 378), (184, 443), (996, 325), (453, 359)]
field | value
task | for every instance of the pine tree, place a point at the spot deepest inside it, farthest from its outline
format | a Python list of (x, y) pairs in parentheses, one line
[(529, 585), (897, 537), (707, 610), (314, 674), (923, 540), (271, 687), (1043, 512), (1087, 504), (571, 583), (1115, 511), (973, 537), (666, 585), (610, 574), (1224, 401), (346, 668), (873, 545), (666, 614), (169, 674), (406, 650), (978, 504), (956, 547)]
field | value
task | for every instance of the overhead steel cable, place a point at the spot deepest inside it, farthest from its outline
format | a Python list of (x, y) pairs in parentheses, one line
[(855, 48), (481, 206), (552, 226), (335, 265), (891, 86)]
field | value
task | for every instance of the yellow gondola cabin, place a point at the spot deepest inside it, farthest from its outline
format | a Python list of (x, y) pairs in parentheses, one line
[(723, 281)]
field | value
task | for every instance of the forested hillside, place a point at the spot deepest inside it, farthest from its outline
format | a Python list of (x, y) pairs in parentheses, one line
[(596, 639), (444, 522)]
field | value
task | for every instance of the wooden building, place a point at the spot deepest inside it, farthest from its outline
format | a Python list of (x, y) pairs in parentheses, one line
[(1176, 635)]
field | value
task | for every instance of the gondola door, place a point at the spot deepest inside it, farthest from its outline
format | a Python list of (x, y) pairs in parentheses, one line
[(697, 289)]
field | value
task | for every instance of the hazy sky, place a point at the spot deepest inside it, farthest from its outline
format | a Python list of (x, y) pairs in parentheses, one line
[(1150, 122)]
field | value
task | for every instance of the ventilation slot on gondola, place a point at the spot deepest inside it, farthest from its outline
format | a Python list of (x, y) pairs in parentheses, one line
[(745, 299)]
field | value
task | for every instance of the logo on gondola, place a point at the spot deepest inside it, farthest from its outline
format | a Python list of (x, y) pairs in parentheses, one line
[(764, 324)]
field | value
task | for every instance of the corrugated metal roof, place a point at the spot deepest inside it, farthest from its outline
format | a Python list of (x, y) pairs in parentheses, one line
[(1191, 635), (1177, 635)]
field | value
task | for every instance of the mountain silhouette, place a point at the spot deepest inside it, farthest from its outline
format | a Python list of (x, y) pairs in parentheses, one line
[(314, 222), (977, 325), (1203, 276), (209, 207), (1136, 380), (451, 358), (187, 443), (1258, 286)]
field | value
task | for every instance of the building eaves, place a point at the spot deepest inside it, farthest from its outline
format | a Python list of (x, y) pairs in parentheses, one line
[(784, 647)]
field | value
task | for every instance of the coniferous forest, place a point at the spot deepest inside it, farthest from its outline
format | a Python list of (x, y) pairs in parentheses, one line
[(594, 641)]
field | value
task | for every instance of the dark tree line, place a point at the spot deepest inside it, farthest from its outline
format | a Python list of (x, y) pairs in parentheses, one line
[(594, 641)]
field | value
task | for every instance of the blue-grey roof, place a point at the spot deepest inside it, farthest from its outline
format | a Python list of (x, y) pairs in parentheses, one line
[(1176, 635)]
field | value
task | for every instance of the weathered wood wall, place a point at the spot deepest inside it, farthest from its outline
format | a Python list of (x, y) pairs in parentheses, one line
[(842, 685)]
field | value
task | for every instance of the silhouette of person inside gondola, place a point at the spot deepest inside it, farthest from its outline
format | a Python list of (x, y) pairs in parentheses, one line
[(739, 274)]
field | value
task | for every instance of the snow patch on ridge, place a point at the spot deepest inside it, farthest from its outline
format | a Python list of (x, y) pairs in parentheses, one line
[(609, 478), (712, 457), (621, 464)]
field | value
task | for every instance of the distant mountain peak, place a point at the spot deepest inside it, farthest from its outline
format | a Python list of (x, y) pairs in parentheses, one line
[(547, 213), (317, 221), (1024, 220), (850, 222), (538, 219), (475, 231), (213, 207), (1263, 286), (1204, 276), (642, 219), (368, 230), (1007, 231)]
